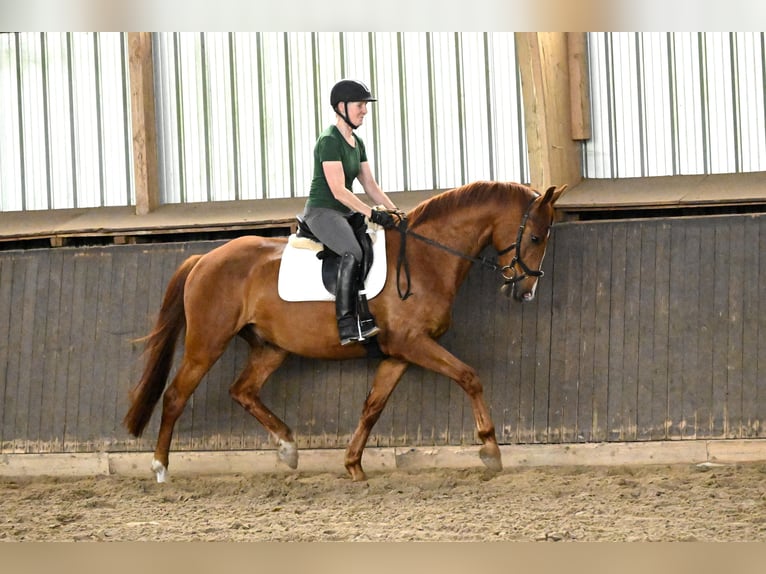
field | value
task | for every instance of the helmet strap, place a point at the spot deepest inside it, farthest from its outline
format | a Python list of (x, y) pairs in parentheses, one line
[(344, 115)]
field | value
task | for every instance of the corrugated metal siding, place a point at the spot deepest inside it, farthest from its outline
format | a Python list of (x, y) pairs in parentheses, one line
[(239, 113), (64, 122), (642, 330), (676, 104)]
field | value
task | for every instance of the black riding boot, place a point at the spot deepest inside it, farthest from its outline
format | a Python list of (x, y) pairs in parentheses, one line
[(355, 322), (345, 300)]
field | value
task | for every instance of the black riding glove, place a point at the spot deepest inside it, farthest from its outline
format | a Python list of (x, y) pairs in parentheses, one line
[(383, 218)]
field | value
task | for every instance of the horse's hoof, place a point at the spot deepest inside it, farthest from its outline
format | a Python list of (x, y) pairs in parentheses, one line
[(288, 453), (356, 473), (490, 456), (159, 471)]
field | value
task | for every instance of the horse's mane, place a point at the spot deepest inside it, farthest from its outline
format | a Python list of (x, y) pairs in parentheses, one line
[(472, 194)]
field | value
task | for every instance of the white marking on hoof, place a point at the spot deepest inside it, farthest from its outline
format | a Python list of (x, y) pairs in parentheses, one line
[(159, 470), (288, 453)]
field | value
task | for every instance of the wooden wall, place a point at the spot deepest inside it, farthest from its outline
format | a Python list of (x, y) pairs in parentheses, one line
[(642, 330)]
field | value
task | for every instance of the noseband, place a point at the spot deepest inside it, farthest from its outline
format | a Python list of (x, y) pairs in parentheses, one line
[(508, 279)]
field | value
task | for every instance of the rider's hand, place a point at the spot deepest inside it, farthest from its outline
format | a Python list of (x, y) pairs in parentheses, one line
[(383, 218)]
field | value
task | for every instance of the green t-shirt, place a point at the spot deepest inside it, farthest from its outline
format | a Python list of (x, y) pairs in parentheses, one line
[(332, 146)]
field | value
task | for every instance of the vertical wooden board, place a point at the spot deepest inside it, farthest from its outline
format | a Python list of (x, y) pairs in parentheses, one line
[(735, 367), (333, 397), (631, 326), (322, 374), (560, 386), (415, 408), (124, 353), (304, 424), (87, 388), (7, 392), (694, 401), (699, 375), (587, 269), (677, 331), (760, 403), (752, 288), (26, 344), (720, 305), (520, 415), (51, 350), (616, 415), (42, 289), (104, 341), (535, 404), (659, 369), (602, 277), (351, 380), (113, 295), (645, 425), (76, 343), (292, 378), (570, 382), (63, 351)]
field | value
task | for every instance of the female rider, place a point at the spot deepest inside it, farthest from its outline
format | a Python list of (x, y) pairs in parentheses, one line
[(339, 158)]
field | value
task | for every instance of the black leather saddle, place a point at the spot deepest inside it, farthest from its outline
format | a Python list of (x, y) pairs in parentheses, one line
[(331, 260)]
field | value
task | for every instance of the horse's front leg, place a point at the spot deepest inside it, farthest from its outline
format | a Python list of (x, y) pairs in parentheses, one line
[(430, 355), (387, 376)]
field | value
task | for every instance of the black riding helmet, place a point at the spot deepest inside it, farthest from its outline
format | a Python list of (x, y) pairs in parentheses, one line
[(349, 91)]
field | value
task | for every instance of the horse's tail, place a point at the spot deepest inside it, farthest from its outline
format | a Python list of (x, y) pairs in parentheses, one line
[(160, 347)]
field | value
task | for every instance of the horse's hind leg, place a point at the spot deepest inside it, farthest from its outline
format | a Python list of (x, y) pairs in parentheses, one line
[(263, 361), (387, 377), (176, 396)]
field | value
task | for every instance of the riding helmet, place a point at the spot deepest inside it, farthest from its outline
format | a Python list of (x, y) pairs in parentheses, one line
[(350, 91)]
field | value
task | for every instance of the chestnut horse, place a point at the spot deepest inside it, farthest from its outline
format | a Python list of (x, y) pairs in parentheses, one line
[(232, 290)]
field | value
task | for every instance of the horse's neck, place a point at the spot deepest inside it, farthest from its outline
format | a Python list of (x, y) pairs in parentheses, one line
[(466, 232)]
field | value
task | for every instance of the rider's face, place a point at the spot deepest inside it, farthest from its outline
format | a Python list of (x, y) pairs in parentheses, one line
[(356, 112)]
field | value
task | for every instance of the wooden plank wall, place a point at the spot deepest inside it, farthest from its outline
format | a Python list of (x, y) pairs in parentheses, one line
[(642, 330)]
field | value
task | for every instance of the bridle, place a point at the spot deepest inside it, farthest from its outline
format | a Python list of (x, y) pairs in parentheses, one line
[(507, 272)]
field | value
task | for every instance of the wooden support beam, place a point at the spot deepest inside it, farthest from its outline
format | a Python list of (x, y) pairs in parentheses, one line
[(554, 157), (145, 155), (579, 86)]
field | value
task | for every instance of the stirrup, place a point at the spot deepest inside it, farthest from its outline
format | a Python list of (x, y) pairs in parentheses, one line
[(368, 329)]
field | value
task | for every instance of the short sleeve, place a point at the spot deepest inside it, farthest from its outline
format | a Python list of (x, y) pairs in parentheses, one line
[(328, 149)]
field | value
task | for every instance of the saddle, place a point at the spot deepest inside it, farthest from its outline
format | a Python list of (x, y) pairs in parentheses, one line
[(331, 260)]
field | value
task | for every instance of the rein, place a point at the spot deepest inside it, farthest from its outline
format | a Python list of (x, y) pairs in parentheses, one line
[(485, 262)]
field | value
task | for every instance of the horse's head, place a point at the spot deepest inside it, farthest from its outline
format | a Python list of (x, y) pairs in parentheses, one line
[(524, 257)]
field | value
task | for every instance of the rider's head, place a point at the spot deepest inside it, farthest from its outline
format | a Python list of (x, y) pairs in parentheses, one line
[(347, 91)]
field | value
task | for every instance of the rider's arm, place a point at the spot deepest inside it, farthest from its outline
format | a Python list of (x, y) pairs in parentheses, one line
[(336, 180)]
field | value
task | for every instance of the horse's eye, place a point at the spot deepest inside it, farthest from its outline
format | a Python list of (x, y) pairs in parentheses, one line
[(535, 239)]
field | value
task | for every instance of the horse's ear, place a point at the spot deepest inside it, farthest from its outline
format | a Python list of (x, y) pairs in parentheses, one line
[(553, 193)]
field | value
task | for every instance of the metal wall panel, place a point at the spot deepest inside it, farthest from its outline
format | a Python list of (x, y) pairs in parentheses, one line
[(676, 103), (239, 113), (642, 330), (64, 122)]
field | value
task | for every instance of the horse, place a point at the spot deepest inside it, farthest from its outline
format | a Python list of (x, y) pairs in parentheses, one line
[(232, 291)]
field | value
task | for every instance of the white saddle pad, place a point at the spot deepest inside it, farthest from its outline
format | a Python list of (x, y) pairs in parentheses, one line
[(300, 272)]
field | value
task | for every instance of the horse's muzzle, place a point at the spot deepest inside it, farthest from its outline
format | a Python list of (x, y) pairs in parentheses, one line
[(510, 289)]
